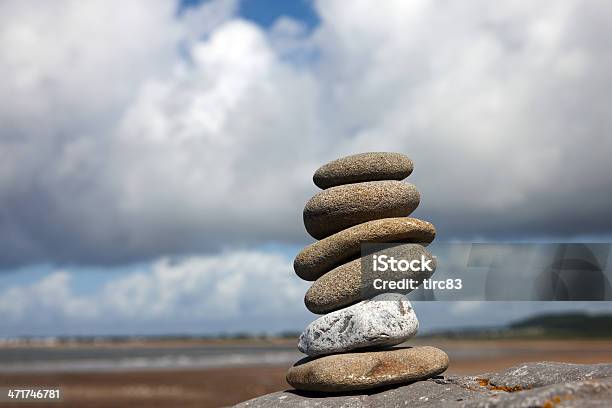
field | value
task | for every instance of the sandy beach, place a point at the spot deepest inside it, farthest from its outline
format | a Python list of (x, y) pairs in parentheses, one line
[(222, 386)]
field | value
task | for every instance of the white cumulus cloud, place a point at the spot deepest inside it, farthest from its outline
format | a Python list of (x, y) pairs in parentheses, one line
[(233, 291), (130, 131)]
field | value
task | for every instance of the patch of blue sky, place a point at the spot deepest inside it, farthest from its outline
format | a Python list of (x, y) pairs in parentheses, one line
[(84, 280), (24, 275), (266, 12)]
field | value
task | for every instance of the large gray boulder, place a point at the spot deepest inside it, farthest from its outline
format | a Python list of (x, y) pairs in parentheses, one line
[(543, 384)]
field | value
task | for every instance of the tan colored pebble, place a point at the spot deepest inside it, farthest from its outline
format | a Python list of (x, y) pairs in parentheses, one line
[(346, 284), (360, 371), (322, 256), (363, 167), (341, 207)]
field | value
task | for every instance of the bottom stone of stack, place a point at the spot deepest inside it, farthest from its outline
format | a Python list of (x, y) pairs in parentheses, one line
[(365, 370)]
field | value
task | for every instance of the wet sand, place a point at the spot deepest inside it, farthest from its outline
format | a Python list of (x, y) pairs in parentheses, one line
[(215, 387)]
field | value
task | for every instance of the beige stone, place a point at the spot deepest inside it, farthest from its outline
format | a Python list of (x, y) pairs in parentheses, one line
[(347, 284), (341, 207), (363, 167), (322, 256), (360, 371)]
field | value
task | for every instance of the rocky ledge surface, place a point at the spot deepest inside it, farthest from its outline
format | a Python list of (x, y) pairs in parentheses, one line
[(543, 384)]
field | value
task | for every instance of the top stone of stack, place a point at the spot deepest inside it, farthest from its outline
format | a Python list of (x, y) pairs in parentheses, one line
[(363, 167)]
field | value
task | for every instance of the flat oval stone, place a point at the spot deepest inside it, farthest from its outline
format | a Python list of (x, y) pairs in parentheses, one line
[(385, 320), (363, 167), (346, 284), (360, 371), (322, 256), (341, 207)]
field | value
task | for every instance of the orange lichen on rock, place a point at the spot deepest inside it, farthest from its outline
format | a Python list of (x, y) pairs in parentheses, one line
[(484, 382), (555, 400)]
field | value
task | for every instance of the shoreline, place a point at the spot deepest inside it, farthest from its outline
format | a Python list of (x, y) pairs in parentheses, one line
[(289, 342), (222, 386)]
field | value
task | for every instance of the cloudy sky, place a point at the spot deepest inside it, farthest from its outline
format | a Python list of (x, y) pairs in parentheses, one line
[(155, 156)]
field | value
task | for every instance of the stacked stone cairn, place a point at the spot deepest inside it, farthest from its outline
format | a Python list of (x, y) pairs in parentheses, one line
[(350, 347)]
